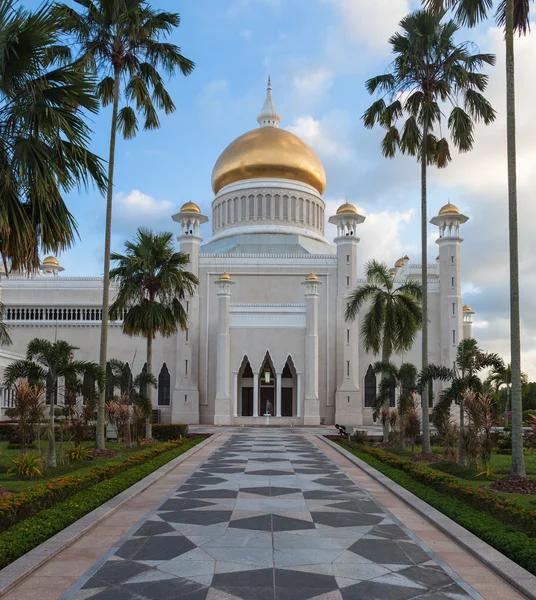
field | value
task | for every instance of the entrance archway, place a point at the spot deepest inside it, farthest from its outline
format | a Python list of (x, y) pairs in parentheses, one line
[(288, 389), (245, 389), (267, 386)]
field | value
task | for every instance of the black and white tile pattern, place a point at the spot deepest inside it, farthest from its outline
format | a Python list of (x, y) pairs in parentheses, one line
[(270, 517)]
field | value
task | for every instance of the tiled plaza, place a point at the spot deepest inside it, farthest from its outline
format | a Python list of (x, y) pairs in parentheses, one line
[(269, 517)]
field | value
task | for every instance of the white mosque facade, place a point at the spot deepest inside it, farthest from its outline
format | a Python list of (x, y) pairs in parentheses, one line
[(266, 333)]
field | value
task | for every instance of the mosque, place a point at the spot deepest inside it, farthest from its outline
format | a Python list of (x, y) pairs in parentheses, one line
[(267, 334)]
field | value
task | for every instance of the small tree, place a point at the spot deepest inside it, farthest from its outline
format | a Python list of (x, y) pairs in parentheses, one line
[(412, 421), (28, 411), (45, 363), (393, 319)]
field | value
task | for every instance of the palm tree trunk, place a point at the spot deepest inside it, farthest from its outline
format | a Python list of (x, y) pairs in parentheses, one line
[(426, 448), (148, 420), (518, 459), (100, 437), (461, 448), (51, 450)]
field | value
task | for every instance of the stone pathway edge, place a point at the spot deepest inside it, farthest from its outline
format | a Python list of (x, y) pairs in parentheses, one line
[(511, 572), (20, 569)]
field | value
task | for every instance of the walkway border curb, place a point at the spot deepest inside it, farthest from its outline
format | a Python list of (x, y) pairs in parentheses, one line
[(27, 564), (516, 576)]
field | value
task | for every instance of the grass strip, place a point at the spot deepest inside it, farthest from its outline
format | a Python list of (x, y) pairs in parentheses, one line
[(28, 534), (512, 543)]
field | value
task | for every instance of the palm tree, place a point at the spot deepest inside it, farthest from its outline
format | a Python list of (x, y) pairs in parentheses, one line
[(500, 377), (514, 17), (132, 391), (394, 318), (46, 362), (403, 379), (44, 137), (463, 377), (431, 74), (153, 282), (124, 43)]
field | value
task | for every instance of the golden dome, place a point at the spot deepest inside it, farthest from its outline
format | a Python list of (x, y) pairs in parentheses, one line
[(224, 277), (311, 277), (467, 308), (449, 209), (190, 207), (51, 260), (399, 263), (346, 208), (268, 152)]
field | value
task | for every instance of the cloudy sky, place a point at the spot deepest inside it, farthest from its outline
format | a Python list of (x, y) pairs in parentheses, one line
[(319, 54)]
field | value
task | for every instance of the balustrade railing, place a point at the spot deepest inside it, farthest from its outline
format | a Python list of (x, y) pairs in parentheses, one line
[(53, 315)]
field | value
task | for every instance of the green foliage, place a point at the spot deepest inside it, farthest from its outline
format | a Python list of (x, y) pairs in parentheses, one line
[(77, 453), (453, 468), (510, 541), (29, 533), (174, 431), (44, 495), (492, 503), (44, 136), (7, 431), (28, 466)]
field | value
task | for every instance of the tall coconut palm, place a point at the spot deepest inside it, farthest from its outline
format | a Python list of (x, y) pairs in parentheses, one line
[(153, 283), (514, 17), (499, 377), (395, 316), (435, 84), (400, 380), (123, 42), (44, 136), (132, 391), (46, 362), (463, 376)]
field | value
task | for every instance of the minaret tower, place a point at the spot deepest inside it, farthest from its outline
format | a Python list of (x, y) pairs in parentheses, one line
[(449, 220), (185, 407), (348, 397), (269, 117)]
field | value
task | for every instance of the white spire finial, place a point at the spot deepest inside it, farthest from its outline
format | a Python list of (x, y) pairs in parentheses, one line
[(269, 117)]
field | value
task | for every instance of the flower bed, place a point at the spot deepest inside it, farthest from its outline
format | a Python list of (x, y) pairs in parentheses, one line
[(506, 511), (23, 505), (27, 534), (512, 543)]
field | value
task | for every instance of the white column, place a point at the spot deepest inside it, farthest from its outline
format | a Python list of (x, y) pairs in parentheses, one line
[(298, 395), (311, 410), (255, 394), (278, 394), (235, 393), (222, 409)]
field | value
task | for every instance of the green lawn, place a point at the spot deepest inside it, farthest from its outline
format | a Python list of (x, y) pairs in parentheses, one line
[(500, 464), (17, 484)]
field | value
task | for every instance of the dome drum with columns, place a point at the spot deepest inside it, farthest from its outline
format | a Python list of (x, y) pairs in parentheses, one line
[(267, 340)]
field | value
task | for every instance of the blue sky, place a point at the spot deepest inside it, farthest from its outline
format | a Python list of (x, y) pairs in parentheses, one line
[(319, 54)]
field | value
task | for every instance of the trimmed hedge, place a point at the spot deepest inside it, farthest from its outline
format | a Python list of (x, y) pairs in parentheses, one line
[(45, 495), (174, 431), (6, 431), (505, 510), (506, 539), (28, 534)]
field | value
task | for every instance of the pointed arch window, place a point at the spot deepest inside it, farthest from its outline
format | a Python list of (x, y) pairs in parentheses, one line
[(144, 388), (370, 387), (164, 387), (109, 391)]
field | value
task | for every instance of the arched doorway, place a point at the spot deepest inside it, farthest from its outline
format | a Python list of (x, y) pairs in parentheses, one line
[(288, 389), (267, 387), (245, 389)]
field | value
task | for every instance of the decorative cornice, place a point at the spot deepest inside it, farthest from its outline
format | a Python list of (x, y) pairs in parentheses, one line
[(269, 255)]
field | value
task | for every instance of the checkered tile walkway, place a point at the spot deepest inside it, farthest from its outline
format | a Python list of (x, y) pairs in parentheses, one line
[(269, 517)]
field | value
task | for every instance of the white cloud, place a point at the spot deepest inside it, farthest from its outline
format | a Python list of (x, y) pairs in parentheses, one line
[(313, 83), (139, 209), (370, 23), (246, 33)]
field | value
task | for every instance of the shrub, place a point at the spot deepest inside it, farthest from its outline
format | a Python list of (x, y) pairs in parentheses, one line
[(78, 453), (503, 509), (359, 436), (518, 547), (173, 431), (26, 535), (7, 431), (44, 495), (28, 466), (527, 414)]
